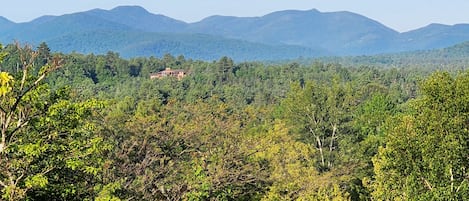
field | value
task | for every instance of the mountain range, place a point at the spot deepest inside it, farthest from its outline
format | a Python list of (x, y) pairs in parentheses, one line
[(133, 31)]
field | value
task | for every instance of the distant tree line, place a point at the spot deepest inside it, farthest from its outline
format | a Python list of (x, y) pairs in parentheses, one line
[(96, 127)]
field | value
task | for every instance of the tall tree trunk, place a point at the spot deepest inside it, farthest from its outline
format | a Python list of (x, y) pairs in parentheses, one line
[(318, 141), (331, 144)]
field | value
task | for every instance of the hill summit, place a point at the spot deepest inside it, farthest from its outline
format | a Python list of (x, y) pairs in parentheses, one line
[(133, 31)]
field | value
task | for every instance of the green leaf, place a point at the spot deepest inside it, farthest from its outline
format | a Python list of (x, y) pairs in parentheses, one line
[(36, 181)]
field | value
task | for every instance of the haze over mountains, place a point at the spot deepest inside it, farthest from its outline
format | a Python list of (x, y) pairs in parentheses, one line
[(133, 31)]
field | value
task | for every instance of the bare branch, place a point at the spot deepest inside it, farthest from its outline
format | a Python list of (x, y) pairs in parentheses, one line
[(461, 184), (452, 178), (12, 133), (19, 178), (427, 184), (3, 110), (48, 170), (3, 184)]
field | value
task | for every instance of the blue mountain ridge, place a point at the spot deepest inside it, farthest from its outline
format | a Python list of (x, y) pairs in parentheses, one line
[(133, 31)]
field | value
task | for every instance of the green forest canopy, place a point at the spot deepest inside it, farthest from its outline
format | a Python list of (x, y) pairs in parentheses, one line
[(96, 127)]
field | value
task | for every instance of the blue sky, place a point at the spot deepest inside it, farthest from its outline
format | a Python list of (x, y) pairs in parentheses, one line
[(401, 15)]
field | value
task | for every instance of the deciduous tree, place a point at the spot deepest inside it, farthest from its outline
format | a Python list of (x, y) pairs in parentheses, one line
[(48, 148), (426, 152)]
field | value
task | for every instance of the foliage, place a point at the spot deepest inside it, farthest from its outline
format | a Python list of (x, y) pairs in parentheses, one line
[(98, 128), (46, 139), (291, 168), (318, 113), (425, 157)]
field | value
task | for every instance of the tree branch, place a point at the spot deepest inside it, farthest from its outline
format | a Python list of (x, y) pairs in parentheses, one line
[(12, 134), (3, 110), (19, 178), (3, 184), (18, 99), (427, 184)]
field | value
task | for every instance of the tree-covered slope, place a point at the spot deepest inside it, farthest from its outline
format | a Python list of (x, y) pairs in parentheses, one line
[(51, 27), (455, 57), (336, 33), (97, 127), (339, 32), (139, 18), (433, 36), (5, 23), (196, 46)]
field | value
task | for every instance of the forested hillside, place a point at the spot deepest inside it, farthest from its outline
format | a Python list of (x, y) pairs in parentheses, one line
[(96, 127), (204, 47), (453, 57), (288, 34)]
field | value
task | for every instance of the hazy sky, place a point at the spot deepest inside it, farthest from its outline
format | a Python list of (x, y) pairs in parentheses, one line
[(401, 15)]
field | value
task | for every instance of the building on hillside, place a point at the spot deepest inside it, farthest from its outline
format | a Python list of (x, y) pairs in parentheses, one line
[(179, 74)]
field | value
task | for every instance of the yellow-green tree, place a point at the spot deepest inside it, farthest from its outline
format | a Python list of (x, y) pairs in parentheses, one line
[(48, 148), (192, 151), (291, 168), (426, 152), (319, 113)]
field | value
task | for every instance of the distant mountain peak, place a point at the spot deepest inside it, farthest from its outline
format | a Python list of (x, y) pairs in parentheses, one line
[(43, 19), (339, 33), (314, 10), (130, 9), (4, 20), (138, 18), (5, 23), (444, 26), (293, 12), (437, 25)]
